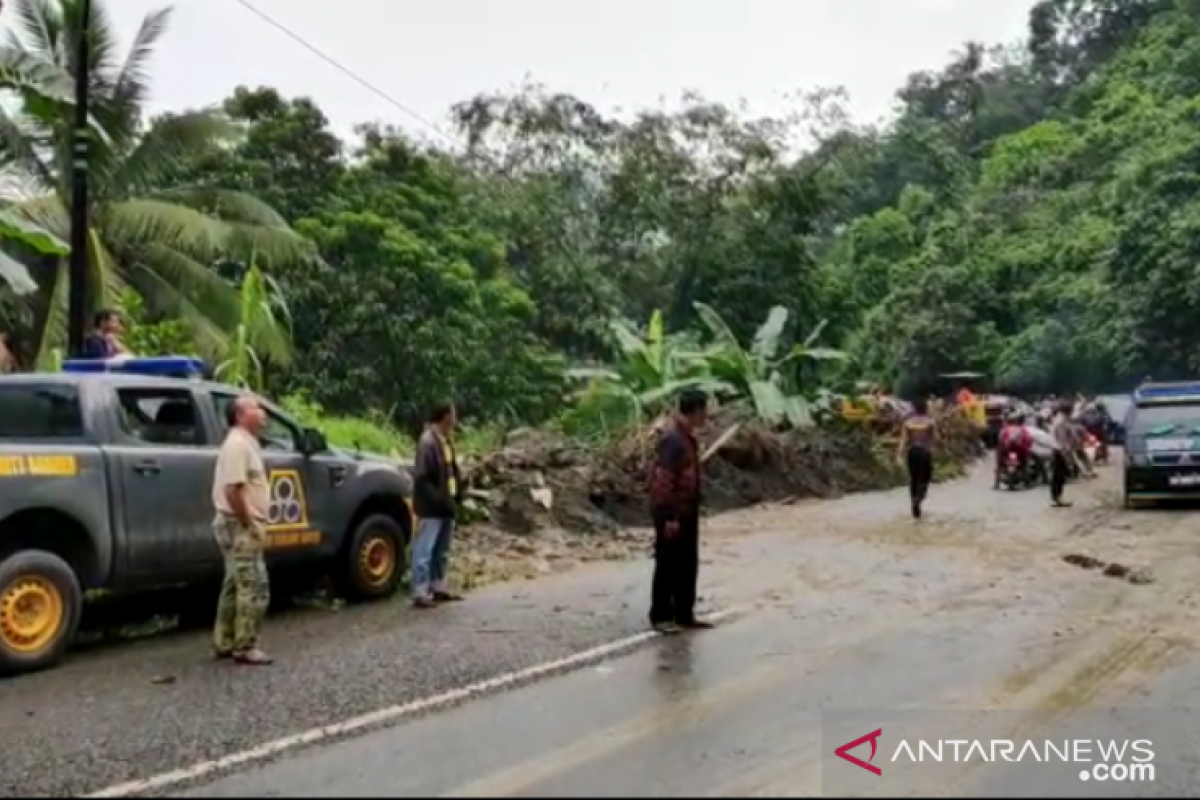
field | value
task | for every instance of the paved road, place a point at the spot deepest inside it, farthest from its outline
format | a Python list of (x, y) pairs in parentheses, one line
[(844, 605)]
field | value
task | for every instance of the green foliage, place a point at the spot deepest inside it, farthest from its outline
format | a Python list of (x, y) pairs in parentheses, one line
[(149, 232), (650, 370), (261, 308), (1032, 213), (1062, 257), (372, 434), (759, 375), (143, 337)]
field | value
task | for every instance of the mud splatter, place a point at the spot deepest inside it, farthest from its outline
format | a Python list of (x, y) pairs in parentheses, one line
[(1137, 577)]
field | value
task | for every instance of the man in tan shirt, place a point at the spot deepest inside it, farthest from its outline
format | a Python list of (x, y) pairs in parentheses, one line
[(241, 498)]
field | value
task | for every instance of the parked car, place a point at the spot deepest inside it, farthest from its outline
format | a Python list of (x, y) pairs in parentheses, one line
[(106, 482), (1162, 448)]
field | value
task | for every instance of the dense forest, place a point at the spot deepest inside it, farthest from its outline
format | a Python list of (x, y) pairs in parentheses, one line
[(1032, 212)]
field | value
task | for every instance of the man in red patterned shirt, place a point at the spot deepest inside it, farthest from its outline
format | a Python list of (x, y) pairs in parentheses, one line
[(675, 509)]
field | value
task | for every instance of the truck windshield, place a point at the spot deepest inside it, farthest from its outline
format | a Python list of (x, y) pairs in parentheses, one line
[(32, 411), (1156, 421)]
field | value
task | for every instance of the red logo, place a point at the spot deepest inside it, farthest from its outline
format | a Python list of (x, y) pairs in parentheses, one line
[(843, 752)]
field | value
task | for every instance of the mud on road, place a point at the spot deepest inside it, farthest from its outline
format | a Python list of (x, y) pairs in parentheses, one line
[(856, 567)]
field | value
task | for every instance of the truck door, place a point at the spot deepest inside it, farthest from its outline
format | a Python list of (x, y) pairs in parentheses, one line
[(165, 462), (300, 489)]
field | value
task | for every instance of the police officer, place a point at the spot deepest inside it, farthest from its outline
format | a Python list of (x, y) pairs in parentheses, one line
[(241, 498)]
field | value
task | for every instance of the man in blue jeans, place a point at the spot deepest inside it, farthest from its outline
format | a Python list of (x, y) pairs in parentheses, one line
[(436, 494)]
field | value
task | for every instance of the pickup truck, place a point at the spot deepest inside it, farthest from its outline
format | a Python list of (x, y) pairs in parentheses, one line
[(106, 484)]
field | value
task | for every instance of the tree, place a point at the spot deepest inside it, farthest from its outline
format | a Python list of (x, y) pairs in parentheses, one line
[(157, 238)]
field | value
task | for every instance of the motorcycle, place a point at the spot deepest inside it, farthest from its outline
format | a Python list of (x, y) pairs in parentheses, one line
[(1096, 449), (1014, 476)]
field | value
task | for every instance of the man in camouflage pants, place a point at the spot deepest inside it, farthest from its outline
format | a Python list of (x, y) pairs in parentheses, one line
[(241, 497)]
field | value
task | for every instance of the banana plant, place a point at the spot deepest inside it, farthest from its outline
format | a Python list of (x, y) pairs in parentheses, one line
[(650, 370), (757, 373), (260, 335), (22, 232)]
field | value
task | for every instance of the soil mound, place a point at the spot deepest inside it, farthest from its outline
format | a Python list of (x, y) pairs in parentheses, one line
[(539, 480)]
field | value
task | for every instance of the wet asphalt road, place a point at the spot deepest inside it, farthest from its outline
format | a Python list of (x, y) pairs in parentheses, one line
[(848, 605)]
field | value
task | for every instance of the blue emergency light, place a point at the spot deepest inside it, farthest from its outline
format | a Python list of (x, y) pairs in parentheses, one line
[(1176, 392), (159, 366)]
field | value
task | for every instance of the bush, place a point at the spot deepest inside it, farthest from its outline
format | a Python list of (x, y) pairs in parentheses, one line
[(373, 434)]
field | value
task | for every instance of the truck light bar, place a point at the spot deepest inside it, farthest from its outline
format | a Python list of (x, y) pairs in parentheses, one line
[(158, 366), (1177, 392)]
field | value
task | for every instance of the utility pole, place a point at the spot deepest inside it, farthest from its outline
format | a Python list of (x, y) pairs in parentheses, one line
[(77, 313)]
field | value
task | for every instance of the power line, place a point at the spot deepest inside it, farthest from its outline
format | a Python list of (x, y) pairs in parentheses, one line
[(345, 70), (507, 184)]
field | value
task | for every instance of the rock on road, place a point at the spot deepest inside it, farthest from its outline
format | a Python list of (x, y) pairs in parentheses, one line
[(840, 604)]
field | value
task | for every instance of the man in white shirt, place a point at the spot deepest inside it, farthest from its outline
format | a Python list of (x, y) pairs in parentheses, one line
[(1060, 430), (241, 498)]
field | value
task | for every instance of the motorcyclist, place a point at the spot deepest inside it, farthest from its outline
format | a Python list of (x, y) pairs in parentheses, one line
[(1016, 440), (1081, 463), (1097, 422)]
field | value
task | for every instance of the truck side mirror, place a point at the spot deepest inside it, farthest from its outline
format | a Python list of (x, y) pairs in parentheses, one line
[(313, 442)]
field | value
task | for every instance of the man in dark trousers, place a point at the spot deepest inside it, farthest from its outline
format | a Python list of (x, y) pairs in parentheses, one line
[(675, 509), (1064, 441), (436, 494)]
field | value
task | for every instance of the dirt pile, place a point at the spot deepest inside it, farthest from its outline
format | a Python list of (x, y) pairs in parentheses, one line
[(539, 480)]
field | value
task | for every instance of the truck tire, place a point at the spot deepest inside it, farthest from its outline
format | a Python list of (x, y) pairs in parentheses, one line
[(41, 603), (373, 562)]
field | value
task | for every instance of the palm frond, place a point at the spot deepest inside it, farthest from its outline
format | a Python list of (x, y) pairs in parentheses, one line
[(47, 213), (135, 224), (39, 29), (161, 146), (226, 205), (212, 339), (107, 277), (25, 149), (274, 246), (132, 82)]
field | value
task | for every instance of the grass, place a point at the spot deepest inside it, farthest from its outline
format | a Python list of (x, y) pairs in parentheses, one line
[(375, 433)]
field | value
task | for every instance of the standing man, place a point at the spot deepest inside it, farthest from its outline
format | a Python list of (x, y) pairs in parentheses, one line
[(105, 339), (241, 497), (1064, 442), (436, 495), (675, 511)]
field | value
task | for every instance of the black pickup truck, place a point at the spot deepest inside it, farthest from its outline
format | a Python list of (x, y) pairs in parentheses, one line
[(106, 483)]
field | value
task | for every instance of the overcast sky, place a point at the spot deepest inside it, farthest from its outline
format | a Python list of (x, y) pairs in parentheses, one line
[(428, 54)]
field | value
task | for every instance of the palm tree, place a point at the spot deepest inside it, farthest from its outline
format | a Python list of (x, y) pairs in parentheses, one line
[(147, 233)]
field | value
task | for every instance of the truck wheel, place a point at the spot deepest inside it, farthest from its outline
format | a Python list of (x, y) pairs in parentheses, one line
[(41, 603), (374, 560)]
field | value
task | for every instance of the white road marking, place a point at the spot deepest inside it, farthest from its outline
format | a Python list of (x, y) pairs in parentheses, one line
[(395, 713)]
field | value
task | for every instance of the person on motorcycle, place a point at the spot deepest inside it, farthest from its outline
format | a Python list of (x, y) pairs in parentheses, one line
[(1081, 463), (1097, 422), (1015, 440)]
